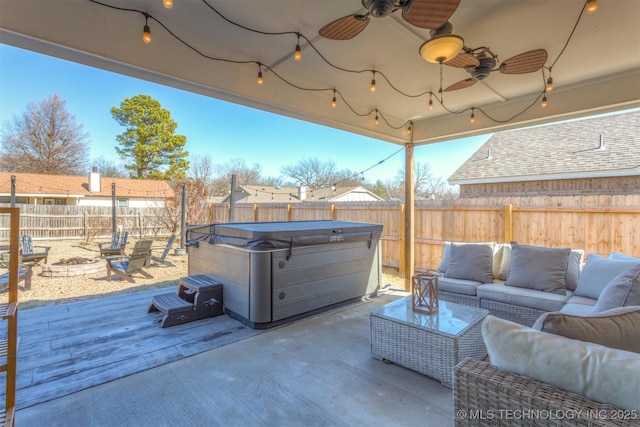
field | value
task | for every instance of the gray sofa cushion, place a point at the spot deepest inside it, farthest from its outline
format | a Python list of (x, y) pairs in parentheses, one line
[(574, 268), (597, 272), (540, 268), (471, 262), (577, 309), (617, 328), (546, 301), (620, 255), (577, 299), (446, 254), (458, 286), (622, 291)]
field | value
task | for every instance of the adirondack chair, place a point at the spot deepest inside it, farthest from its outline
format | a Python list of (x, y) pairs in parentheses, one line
[(116, 246), (28, 251), (126, 266), (167, 248)]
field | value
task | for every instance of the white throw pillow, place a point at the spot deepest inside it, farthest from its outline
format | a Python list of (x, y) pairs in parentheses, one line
[(599, 373)]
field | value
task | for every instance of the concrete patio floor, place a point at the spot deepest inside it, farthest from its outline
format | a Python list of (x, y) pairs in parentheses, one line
[(316, 371)]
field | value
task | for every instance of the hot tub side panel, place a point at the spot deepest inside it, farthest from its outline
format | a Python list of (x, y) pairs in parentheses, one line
[(319, 276), (230, 266)]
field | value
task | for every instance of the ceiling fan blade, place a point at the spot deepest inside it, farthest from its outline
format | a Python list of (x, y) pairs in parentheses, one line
[(527, 62), (430, 14), (345, 28), (463, 60), (461, 84)]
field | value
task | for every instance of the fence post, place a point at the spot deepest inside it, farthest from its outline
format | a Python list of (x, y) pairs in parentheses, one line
[(332, 214), (85, 227), (140, 224), (255, 212), (289, 212), (508, 223)]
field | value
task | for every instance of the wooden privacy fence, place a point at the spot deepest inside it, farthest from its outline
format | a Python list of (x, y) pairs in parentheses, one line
[(597, 224), (46, 222)]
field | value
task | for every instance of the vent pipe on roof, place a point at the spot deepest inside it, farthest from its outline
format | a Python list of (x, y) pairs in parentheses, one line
[(601, 145), (94, 181)]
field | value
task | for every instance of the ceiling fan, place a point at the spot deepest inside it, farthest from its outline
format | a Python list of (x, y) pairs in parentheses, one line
[(481, 61), (428, 14)]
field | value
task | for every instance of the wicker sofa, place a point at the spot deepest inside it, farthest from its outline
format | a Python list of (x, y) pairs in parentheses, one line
[(525, 302), (490, 392), (557, 373)]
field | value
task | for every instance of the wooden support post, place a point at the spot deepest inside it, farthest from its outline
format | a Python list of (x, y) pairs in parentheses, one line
[(255, 212), (289, 212), (401, 266), (332, 214), (409, 238), (508, 223)]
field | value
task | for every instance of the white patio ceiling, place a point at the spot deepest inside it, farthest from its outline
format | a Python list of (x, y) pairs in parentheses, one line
[(599, 71)]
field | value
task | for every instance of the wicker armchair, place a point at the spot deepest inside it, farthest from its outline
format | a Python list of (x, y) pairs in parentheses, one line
[(484, 395)]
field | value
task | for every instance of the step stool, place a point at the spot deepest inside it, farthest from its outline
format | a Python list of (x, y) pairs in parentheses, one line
[(198, 297)]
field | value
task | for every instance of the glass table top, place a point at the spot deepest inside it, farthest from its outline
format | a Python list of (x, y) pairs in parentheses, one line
[(451, 318)]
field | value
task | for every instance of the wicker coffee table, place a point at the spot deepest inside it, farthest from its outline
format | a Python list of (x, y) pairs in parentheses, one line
[(431, 344)]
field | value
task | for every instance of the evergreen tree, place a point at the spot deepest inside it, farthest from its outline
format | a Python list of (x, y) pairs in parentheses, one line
[(149, 146)]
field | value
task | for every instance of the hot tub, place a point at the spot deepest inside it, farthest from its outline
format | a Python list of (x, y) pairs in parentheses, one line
[(273, 272)]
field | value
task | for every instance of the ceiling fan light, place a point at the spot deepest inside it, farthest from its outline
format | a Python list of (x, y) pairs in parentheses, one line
[(441, 48)]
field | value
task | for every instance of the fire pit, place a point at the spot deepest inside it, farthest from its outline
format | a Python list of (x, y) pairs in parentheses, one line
[(76, 266)]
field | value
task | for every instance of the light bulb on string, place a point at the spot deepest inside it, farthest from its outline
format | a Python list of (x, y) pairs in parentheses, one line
[(592, 6), (544, 101), (168, 4), (472, 119), (430, 102), (297, 55), (376, 120), (334, 102), (549, 85), (146, 31), (260, 80), (372, 88)]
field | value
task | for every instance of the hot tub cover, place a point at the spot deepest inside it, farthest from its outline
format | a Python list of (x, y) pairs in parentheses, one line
[(282, 235)]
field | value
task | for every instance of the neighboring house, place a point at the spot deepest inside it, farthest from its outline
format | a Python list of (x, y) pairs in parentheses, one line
[(91, 190), (266, 194), (599, 156)]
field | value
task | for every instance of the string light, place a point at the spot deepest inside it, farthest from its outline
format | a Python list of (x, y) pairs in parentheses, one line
[(430, 101), (544, 101), (297, 55), (167, 3), (409, 128), (549, 86), (376, 120), (260, 79), (146, 32), (472, 119), (372, 88), (590, 6), (333, 101)]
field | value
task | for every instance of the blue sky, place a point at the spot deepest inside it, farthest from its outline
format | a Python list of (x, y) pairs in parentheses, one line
[(220, 129)]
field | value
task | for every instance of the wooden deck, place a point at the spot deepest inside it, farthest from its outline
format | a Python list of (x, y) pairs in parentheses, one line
[(71, 347)]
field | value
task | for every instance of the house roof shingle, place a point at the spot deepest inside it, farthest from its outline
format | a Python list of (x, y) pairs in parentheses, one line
[(560, 151)]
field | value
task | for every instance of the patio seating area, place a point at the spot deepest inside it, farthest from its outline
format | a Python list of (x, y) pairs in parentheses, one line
[(122, 369)]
